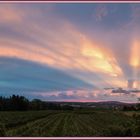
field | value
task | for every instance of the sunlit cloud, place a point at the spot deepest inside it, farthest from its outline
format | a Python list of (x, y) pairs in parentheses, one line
[(90, 96), (47, 51), (135, 62), (41, 35), (135, 56)]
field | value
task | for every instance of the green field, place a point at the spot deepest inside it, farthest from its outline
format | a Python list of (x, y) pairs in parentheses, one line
[(68, 123)]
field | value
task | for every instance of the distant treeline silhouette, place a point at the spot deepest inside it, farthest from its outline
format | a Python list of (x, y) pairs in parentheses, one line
[(20, 103)]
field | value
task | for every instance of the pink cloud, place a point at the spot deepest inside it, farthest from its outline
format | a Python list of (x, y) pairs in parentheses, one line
[(9, 14)]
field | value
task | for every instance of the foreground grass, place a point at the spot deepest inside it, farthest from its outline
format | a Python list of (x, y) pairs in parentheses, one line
[(68, 123)]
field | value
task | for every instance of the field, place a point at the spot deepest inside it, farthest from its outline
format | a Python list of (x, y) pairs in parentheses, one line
[(67, 123)]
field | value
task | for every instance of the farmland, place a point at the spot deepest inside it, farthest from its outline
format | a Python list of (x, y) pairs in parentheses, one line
[(68, 123)]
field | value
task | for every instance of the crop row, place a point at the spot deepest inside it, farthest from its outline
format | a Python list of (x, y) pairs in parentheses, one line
[(76, 124), (14, 119)]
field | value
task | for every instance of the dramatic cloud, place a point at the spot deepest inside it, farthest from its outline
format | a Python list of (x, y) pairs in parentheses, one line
[(49, 47), (66, 51)]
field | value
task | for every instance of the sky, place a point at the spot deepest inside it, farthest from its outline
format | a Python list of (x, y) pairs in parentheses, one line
[(70, 51)]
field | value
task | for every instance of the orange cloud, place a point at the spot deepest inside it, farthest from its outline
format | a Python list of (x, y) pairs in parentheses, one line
[(60, 45), (100, 59), (9, 14), (135, 55)]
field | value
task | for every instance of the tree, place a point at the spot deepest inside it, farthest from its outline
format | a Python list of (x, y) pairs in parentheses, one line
[(14, 103), (19, 102)]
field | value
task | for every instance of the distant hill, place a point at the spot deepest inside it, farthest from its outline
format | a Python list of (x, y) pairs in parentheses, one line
[(104, 104)]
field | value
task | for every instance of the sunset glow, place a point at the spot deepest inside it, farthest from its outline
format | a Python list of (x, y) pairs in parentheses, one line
[(135, 54), (68, 51)]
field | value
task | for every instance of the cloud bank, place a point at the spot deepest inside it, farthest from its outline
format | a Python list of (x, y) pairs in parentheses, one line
[(96, 53)]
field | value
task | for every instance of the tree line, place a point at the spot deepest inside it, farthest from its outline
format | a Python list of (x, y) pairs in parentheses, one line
[(16, 102), (135, 107), (20, 103)]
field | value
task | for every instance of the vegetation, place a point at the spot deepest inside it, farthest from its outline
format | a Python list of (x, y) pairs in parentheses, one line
[(69, 123), (39, 118), (20, 103)]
